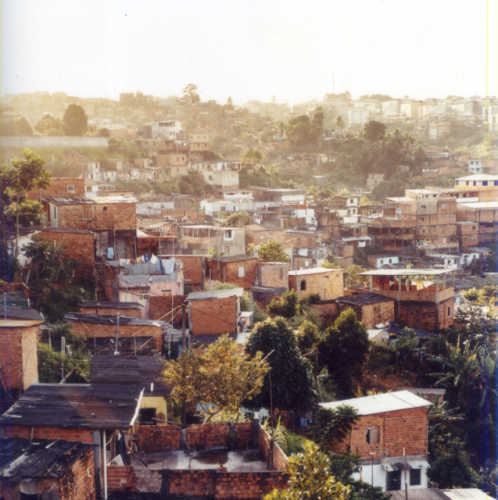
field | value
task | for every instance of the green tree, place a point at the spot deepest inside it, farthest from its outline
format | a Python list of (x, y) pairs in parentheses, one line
[(310, 478), (373, 131), (339, 123), (287, 306), (272, 251), (23, 127), (75, 121), (48, 122), (451, 469), (344, 349), (216, 378), (332, 426), (318, 116), (191, 91), (308, 336), (292, 386), (353, 277), (103, 132), (238, 219), (404, 346), (22, 176), (251, 156), (51, 280)]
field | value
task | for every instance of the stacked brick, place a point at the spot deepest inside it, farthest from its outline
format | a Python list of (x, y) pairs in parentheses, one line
[(121, 478), (161, 307), (167, 438), (58, 189), (210, 317), (280, 460), (73, 435), (103, 217), (228, 272), (110, 311), (18, 357)]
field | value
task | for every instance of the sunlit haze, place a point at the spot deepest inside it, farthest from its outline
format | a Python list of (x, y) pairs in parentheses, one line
[(292, 50)]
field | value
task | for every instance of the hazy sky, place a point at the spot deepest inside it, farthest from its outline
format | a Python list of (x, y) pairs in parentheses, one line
[(249, 49)]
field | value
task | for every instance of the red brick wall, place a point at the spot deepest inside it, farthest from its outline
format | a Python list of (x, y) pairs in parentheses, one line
[(104, 311), (193, 270), (107, 217), (272, 274), (167, 437), (79, 246), (280, 460), (121, 478), (160, 308), (79, 483), (371, 314), (58, 188), (327, 310), (398, 429), (426, 315), (248, 485), (216, 316), (46, 432), (18, 357), (92, 330), (229, 272)]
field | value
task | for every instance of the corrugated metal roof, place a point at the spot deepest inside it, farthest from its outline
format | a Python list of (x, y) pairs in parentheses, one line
[(406, 272), (13, 323), (22, 459), (216, 294), (20, 313), (382, 403), (112, 320), (314, 270), (99, 406), (109, 305), (148, 278), (466, 494)]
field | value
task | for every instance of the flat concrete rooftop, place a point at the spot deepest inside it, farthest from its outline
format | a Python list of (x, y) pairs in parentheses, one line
[(234, 461)]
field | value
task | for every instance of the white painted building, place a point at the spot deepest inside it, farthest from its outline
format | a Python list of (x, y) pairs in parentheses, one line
[(358, 116), (167, 129)]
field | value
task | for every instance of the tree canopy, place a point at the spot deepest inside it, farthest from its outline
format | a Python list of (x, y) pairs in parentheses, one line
[(75, 121), (273, 251), (287, 306), (292, 382), (217, 377), (48, 123)]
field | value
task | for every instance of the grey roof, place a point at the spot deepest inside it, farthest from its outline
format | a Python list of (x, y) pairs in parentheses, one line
[(103, 346), (20, 313), (363, 299), (233, 258), (83, 406), (109, 305), (216, 294), (112, 320), (382, 403), (144, 268), (131, 279), (22, 459), (142, 371)]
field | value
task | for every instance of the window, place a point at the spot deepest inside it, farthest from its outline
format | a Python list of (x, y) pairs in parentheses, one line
[(423, 207), (142, 296), (373, 434), (261, 236), (422, 219), (303, 285), (228, 235), (86, 213), (146, 416), (281, 274), (270, 235), (70, 189), (242, 272), (55, 212), (443, 206), (393, 480), (449, 311), (484, 183), (104, 208), (415, 477), (442, 310)]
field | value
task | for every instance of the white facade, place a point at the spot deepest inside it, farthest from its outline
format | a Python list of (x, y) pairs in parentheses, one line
[(225, 179), (167, 129), (213, 207), (391, 108), (154, 208), (358, 116)]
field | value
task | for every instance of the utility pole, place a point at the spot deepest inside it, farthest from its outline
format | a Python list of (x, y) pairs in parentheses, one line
[(184, 348), (116, 350)]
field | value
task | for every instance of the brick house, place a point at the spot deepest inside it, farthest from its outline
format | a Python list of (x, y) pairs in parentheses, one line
[(92, 414), (137, 282), (46, 469), (328, 220), (370, 308), (19, 334), (215, 312), (272, 274), (257, 235), (112, 213), (327, 283), (240, 270), (96, 327), (60, 187), (391, 438), (468, 234), (418, 304), (203, 239)]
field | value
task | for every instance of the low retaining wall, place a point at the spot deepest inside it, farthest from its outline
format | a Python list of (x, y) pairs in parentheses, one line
[(196, 483), (152, 438), (280, 461), (39, 141)]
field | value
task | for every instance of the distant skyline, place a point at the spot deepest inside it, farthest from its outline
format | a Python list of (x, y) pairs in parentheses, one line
[(250, 50)]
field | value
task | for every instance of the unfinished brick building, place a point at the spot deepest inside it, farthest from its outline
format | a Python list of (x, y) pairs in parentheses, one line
[(106, 308), (215, 312), (327, 283), (60, 187), (484, 215), (240, 270), (112, 213), (272, 274), (424, 298), (19, 334), (391, 436), (371, 309)]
